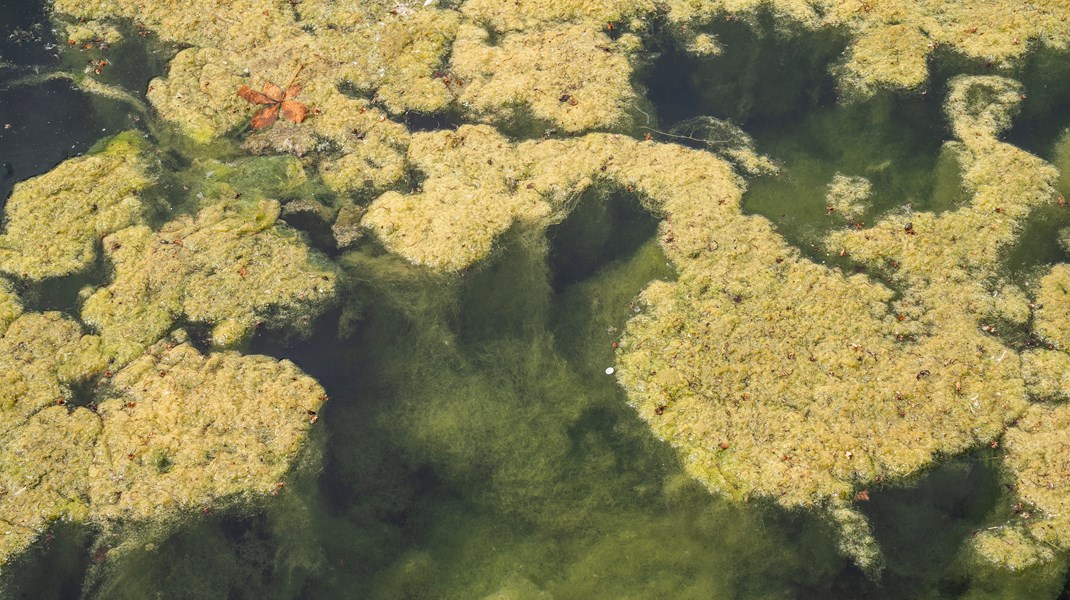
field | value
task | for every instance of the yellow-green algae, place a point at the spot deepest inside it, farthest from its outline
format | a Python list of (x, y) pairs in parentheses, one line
[(847, 195), (1037, 462), (232, 266), (53, 222), (570, 75), (892, 39), (391, 53), (182, 430), (776, 377), (89, 32), (175, 430)]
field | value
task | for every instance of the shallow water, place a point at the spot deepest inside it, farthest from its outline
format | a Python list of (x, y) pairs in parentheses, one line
[(473, 444)]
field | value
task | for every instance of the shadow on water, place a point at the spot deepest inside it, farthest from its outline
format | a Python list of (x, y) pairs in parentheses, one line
[(892, 141), (606, 225), (765, 77), (53, 568), (42, 124)]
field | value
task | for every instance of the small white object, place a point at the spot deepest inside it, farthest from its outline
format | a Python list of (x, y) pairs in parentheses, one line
[(428, 2), (609, 370)]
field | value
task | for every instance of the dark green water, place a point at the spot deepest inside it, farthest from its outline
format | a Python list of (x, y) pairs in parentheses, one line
[(473, 444)]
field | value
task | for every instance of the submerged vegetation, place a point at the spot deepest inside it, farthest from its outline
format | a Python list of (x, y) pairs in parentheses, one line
[(470, 287)]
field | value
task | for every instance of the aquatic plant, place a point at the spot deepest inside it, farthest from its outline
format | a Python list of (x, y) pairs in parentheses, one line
[(53, 221), (773, 376), (232, 266)]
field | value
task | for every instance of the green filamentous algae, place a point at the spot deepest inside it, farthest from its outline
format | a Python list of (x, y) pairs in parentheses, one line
[(548, 299)]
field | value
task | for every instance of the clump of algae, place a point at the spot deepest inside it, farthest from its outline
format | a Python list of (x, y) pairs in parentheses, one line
[(847, 195), (156, 456), (740, 363), (892, 39), (232, 266), (139, 450), (172, 431), (88, 32), (572, 76), (386, 54), (1036, 462), (53, 222)]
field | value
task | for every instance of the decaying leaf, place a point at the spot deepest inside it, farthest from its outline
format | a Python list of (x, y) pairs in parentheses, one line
[(275, 101)]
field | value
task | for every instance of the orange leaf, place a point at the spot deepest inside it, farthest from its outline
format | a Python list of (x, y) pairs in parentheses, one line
[(250, 95), (265, 116), (292, 91), (294, 111), (273, 91)]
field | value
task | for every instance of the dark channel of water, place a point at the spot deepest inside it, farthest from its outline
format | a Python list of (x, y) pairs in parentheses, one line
[(473, 444)]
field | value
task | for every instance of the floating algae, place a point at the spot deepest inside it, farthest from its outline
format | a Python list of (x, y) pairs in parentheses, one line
[(816, 406), (232, 266), (775, 377), (143, 452), (569, 75), (53, 221), (63, 437), (892, 39)]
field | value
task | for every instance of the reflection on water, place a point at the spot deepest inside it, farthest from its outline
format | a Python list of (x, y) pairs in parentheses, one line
[(473, 445)]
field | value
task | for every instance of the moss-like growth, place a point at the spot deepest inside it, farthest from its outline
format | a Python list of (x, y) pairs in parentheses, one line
[(847, 195), (53, 222), (41, 355), (1036, 464), (89, 32), (174, 430), (1053, 307), (569, 75), (233, 266), (199, 93), (10, 305), (530, 14), (390, 53), (182, 430), (892, 39), (778, 377), (45, 450)]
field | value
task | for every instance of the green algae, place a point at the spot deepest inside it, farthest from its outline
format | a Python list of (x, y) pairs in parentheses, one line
[(232, 266), (474, 395), (53, 222)]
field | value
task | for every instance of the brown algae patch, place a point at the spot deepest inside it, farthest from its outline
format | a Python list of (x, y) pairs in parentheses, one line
[(53, 222)]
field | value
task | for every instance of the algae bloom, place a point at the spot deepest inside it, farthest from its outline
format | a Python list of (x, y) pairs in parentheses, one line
[(573, 351)]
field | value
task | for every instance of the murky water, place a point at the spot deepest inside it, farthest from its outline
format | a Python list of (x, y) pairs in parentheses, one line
[(473, 445)]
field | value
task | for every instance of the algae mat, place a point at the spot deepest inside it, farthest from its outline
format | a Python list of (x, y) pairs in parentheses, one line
[(618, 299)]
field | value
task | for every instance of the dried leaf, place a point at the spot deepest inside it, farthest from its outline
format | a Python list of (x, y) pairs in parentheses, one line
[(250, 95), (273, 91), (277, 101), (294, 111), (266, 116)]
